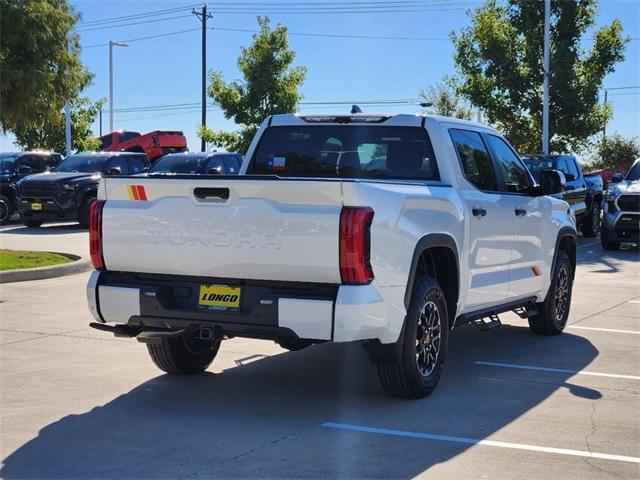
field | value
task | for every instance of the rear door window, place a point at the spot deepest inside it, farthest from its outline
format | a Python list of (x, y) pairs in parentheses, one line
[(474, 157), (34, 162), (345, 151)]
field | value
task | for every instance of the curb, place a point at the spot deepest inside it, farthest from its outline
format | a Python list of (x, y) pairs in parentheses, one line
[(78, 264)]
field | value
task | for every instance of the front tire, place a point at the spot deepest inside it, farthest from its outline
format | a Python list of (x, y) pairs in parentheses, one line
[(605, 242), (6, 209), (591, 224), (424, 345), (183, 355), (31, 223), (552, 314)]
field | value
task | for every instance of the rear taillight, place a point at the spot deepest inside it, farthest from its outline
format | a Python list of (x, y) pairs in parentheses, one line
[(95, 234), (355, 245)]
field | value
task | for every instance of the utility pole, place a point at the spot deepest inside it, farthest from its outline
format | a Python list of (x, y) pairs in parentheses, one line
[(604, 127), (203, 16), (100, 122), (111, 45), (67, 128), (545, 86)]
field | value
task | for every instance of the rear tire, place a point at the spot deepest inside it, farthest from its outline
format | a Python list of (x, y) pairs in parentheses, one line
[(605, 242), (424, 345), (183, 355), (552, 314), (6, 209), (591, 224), (31, 223), (83, 213)]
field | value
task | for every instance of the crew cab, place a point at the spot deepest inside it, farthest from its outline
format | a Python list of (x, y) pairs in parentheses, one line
[(66, 192), (153, 144), (17, 165), (621, 216), (387, 230), (583, 193)]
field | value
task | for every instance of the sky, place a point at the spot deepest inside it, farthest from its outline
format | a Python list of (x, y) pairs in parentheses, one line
[(167, 70)]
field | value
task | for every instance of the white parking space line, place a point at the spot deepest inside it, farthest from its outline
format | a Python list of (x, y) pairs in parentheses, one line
[(557, 370), (634, 301), (612, 330), (588, 244), (486, 443)]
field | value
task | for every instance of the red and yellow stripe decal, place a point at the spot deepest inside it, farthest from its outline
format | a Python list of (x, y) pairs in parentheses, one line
[(136, 192)]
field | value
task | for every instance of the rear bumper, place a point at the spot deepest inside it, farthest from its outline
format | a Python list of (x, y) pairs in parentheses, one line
[(269, 310)]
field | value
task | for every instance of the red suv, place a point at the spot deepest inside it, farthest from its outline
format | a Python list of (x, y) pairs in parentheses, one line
[(154, 144)]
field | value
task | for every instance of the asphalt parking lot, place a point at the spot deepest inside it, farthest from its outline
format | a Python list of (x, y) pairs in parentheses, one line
[(77, 403)]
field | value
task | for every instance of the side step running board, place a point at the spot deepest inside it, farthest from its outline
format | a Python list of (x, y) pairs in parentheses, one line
[(523, 308), (156, 336), (118, 330)]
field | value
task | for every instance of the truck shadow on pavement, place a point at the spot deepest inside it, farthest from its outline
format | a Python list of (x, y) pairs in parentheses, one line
[(608, 261), (52, 229), (263, 419)]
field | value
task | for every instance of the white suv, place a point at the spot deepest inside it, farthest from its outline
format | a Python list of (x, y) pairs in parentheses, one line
[(390, 230)]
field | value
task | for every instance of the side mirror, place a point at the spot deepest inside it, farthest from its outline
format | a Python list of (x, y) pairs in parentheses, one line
[(24, 170), (213, 171), (570, 177), (552, 182), (617, 177), (114, 171)]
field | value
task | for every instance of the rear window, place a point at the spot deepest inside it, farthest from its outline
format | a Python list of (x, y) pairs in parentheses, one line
[(345, 151)]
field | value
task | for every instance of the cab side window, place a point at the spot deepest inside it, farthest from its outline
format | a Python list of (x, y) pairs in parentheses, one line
[(34, 162), (474, 157), (514, 173), (572, 169)]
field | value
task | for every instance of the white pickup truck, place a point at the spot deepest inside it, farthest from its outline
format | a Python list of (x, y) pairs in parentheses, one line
[(390, 230)]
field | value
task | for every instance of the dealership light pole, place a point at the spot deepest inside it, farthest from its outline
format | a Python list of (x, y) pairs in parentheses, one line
[(111, 45), (545, 85)]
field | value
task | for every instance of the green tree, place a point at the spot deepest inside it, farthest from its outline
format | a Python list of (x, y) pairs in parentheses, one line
[(445, 101), (270, 87), (48, 132), (615, 153), (40, 66), (500, 61)]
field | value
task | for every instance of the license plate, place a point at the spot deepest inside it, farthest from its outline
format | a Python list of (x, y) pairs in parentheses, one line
[(219, 297), (36, 206)]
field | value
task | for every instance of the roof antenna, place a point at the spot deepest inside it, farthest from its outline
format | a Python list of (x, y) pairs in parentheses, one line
[(355, 109)]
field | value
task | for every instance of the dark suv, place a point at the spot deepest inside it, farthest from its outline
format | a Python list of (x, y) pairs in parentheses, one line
[(66, 192), (17, 165), (583, 193)]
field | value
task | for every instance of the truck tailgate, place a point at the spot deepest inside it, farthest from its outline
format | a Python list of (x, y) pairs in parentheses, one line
[(266, 229)]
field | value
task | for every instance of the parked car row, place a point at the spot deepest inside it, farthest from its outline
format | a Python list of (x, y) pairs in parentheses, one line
[(55, 191)]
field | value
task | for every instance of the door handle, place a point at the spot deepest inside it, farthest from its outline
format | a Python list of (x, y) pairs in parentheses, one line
[(520, 212), (222, 193), (479, 212)]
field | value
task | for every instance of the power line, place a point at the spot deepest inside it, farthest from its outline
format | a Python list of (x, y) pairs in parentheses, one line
[(123, 18), (196, 105), (145, 38), (131, 23), (337, 35)]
